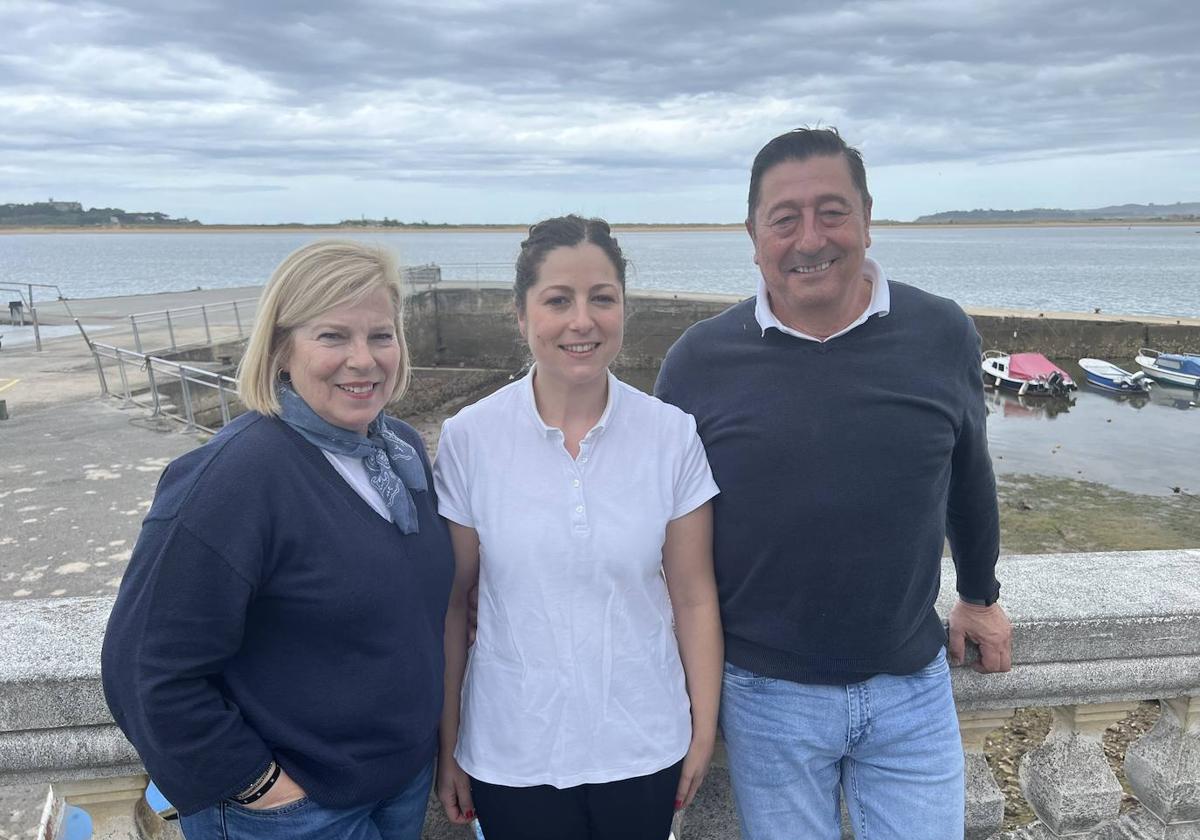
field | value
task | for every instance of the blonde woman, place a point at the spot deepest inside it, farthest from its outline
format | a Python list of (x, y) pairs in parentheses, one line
[(275, 651)]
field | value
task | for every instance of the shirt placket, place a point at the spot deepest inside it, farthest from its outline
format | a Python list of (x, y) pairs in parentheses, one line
[(576, 471)]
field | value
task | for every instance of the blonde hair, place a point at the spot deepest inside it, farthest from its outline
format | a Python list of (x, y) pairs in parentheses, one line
[(310, 281)]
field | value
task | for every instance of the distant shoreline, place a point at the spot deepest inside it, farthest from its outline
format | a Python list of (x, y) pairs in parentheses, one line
[(735, 227)]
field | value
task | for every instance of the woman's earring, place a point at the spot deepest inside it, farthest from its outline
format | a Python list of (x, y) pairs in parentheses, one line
[(284, 376)]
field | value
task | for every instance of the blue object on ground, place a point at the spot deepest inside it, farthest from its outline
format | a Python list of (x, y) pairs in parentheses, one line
[(77, 824)]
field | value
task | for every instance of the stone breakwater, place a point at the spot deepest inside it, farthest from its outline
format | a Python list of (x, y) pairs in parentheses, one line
[(476, 328)]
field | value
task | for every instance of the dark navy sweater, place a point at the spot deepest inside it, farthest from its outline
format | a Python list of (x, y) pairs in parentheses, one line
[(268, 611), (842, 466)]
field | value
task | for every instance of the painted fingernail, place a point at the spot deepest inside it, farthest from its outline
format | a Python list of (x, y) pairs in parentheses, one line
[(471, 814), (678, 804)]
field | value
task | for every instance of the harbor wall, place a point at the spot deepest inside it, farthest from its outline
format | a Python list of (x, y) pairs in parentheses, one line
[(477, 328)]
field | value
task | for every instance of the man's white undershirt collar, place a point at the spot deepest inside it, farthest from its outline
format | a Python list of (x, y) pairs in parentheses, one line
[(880, 304)]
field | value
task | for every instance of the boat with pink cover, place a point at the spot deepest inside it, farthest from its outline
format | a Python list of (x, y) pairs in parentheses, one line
[(1028, 374)]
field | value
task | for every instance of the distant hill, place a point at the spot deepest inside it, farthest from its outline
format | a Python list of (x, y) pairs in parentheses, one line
[(71, 214), (1179, 211)]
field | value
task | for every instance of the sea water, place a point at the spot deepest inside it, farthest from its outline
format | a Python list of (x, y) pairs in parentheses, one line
[(1120, 270)]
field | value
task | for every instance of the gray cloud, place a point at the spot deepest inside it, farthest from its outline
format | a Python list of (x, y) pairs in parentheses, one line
[(613, 96)]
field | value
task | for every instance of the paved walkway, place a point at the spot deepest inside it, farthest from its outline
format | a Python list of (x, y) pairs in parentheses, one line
[(77, 472), (63, 371)]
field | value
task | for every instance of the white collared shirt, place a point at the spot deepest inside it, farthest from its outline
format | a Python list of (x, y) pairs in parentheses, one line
[(880, 304), (351, 468), (575, 675)]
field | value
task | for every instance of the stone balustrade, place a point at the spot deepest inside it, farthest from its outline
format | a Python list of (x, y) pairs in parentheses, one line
[(1093, 635)]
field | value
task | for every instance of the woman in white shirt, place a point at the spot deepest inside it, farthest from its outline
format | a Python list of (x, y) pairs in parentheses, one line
[(577, 504)]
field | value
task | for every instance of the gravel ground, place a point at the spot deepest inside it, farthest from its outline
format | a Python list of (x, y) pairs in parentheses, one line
[(1026, 731)]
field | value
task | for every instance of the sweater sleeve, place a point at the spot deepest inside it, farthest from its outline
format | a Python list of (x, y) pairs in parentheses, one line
[(178, 618), (972, 515), (675, 373)]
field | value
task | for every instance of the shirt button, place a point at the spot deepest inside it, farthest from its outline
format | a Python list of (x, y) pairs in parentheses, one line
[(575, 483), (583, 459), (579, 509)]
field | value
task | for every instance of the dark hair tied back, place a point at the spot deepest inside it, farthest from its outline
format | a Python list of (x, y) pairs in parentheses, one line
[(562, 232)]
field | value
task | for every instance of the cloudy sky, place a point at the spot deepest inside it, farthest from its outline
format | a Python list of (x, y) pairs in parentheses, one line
[(637, 110)]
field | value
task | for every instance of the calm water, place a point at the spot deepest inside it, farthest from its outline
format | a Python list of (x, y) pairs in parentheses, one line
[(1148, 270), (1142, 445), (1147, 445)]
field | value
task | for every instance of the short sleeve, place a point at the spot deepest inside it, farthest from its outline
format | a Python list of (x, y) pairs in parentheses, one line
[(450, 477), (694, 484)]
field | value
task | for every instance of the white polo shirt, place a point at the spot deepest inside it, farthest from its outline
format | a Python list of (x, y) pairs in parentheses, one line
[(575, 675)]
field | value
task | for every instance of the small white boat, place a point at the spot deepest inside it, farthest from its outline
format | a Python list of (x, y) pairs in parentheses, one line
[(1028, 374), (1173, 368), (1109, 377)]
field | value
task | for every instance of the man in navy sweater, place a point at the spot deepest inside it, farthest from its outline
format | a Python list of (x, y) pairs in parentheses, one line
[(844, 420)]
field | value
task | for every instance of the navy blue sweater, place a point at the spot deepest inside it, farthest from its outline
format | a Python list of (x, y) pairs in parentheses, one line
[(268, 611), (842, 467)]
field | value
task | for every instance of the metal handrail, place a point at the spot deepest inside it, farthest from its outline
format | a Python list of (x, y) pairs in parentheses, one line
[(33, 313), (180, 310), (456, 271), (139, 321), (187, 375)]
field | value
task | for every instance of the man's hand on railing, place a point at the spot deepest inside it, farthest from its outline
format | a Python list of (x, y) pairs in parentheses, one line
[(987, 627)]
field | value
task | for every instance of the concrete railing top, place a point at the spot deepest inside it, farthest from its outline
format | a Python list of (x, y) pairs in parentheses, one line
[(1092, 628), (1088, 628), (50, 663)]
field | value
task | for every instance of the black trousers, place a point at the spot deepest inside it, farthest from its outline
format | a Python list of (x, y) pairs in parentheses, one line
[(640, 808)]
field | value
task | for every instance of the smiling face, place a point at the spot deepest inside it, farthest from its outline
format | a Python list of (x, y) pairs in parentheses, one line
[(574, 316), (811, 231), (344, 363)]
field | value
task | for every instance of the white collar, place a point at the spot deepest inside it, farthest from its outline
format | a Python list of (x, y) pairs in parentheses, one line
[(531, 402), (880, 304)]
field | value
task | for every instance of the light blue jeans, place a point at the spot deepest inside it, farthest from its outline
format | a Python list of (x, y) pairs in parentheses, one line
[(889, 745), (398, 818)]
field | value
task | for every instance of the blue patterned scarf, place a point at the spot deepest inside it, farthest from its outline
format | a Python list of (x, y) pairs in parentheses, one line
[(393, 466)]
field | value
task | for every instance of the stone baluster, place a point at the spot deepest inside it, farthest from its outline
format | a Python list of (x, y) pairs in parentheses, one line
[(1163, 768), (1067, 779), (115, 804), (985, 800)]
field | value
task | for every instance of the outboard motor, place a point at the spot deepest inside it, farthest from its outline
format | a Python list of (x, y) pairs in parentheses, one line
[(1056, 383)]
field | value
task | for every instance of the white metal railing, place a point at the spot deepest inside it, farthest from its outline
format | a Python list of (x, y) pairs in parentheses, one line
[(473, 274), (169, 329), (187, 322), (194, 384), (25, 300)]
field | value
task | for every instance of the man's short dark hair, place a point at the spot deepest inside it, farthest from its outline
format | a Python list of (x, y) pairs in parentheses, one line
[(802, 144)]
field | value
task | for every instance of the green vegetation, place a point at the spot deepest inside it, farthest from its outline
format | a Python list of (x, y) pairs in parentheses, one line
[(421, 225), (1178, 212), (1043, 515), (71, 214)]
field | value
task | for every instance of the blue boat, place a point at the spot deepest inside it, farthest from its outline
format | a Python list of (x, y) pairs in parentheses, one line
[(1108, 377), (1172, 368)]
